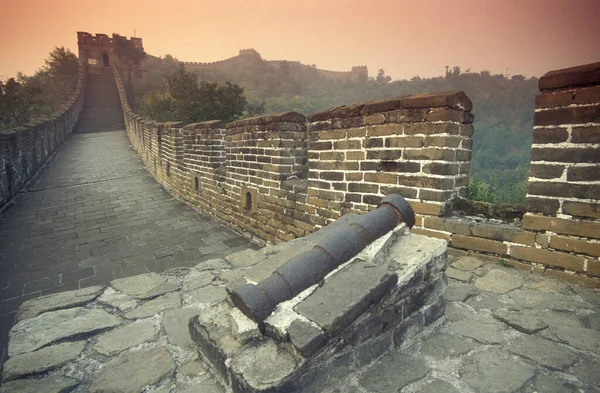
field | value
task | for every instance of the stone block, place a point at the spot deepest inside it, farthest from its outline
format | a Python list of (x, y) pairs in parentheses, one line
[(307, 339), (562, 226), (346, 295)]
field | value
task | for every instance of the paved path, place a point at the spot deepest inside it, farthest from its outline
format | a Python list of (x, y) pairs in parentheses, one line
[(95, 215)]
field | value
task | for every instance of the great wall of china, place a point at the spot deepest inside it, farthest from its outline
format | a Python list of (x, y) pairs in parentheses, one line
[(252, 173)]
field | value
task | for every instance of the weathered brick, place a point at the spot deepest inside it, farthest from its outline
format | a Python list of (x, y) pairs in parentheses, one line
[(581, 209), (584, 191), (406, 192), (389, 155), (381, 178), (546, 171), (363, 188), (444, 114), (353, 198), (584, 75), (371, 199), (431, 128), (504, 233), (383, 130), (355, 176), (586, 135), (467, 130), (406, 141), (578, 279), (429, 154), (563, 226), (554, 99), (426, 208), (332, 156), (426, 182), (590, 155), (542, 205), (374, 119), (580, 246), (443, 141), (452, 225), (441, 169), (347, 145), (587, 95), (357, 132), (372, 142), (546, 257), (571, 115), (549, 135), (463, 155), (478, 244), (332, 134), (435, 195), (583, 173), (332, 176)]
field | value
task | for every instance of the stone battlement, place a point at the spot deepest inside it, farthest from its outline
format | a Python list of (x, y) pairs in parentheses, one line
[(253, 173)]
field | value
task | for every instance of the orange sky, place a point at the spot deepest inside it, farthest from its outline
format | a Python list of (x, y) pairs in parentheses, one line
[(404, 37)]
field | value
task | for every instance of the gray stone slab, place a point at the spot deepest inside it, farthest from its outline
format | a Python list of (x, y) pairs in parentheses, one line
[(155, 306), (265, 268), (445, 345), (587, 370), (580, 338), (459, 275), (437, 386), (35, 333), (205, 297), (176, 324), (118, 300), (132, 371), (306, 338), (458, 292), (486, 332), (145, 286), (495, 372), (543, 352), (245, 258), (263, 365), (387, 376), (42, 360), (117, 340), (523, 322), (206, 386), (196, 279), (499, 281), (490, 302), (549, 286), (34, 307), (346, 295), (592, 321), (212, 264), (53, 384), (467, 263), (548, 384), (194, 368), (544, 300)]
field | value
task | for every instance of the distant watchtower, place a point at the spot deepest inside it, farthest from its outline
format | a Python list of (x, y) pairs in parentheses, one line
[(97, 50)]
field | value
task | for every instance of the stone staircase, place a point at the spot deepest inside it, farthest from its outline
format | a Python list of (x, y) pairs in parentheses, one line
[(102, 111)]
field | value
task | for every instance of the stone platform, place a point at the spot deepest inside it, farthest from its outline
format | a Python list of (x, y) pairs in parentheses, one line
[(504, 330)]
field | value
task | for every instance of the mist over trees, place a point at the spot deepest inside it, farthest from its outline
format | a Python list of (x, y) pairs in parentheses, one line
[(27, 98)]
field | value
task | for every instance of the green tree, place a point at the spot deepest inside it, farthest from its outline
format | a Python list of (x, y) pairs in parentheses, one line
[(382, 77)]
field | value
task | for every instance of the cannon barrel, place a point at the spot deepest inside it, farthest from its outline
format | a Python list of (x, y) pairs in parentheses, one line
[(304, 270)]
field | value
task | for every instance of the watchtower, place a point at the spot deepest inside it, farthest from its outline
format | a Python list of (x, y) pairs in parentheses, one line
[(97, 50)]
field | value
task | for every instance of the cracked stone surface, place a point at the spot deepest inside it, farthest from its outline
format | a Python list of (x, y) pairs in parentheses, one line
[(499, 281), (42, 360), (131, 371), (144, 286), (539, 337), (495, 372), (35, 333), (34, 307), (119, 339)]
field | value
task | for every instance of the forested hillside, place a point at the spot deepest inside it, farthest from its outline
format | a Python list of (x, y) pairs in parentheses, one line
[(503, 109)]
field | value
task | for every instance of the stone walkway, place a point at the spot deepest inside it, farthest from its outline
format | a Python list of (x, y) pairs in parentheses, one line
[(505, 331), (96, 215)]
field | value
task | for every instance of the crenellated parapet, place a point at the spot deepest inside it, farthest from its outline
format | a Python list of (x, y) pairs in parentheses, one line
[(283, 176), (24, 150), (98, 51)]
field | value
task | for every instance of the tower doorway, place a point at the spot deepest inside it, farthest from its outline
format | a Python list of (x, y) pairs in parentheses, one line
[(105, 60)]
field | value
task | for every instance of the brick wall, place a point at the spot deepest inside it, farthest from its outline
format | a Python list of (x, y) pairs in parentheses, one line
[(24, 150), (252, 173)]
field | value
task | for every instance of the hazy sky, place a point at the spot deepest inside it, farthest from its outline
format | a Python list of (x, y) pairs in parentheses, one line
[(404, 37)]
